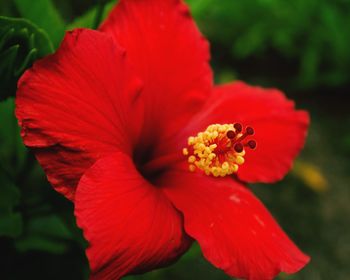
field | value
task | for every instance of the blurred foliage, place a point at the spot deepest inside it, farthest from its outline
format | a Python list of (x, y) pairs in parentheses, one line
[(21, 43), (88, 19), (297, 44), (311, 175), (11, 222), (12, 153), (300, 45), (44, 14)]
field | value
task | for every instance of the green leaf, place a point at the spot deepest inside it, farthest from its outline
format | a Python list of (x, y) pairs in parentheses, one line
[(45, 15), (21, 43), (13, 154), (87, 20), (46, 233)]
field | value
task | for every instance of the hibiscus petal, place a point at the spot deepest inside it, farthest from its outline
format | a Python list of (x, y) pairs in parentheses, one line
[(130, 225), (171, 57), (74, 106), (280, 130), (235, 231)]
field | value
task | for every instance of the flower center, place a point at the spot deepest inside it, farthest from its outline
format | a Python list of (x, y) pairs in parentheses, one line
[(220, 149)]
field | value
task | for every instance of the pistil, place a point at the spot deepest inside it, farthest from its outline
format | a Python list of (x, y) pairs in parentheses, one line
[(220, 149)]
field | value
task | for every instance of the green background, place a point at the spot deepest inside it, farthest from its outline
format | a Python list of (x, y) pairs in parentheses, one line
[(300, 46)]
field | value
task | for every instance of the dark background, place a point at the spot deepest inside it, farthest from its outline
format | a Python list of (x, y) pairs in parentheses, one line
[(299, 46)]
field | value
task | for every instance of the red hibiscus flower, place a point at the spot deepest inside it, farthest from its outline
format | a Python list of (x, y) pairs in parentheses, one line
[(127, 124)]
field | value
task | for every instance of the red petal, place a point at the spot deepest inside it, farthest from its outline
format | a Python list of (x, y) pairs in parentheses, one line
[(74, 106), (235, 231), (280, 130), (171, 57), (130, 225)]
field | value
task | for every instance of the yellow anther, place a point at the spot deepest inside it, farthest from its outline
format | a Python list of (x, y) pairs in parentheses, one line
[(234, 168), (191, 159), (191, 140), (201, 146), (213, 147), (213, 150), (240, 160), (192, 167), (225, 166), (211, 156)]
